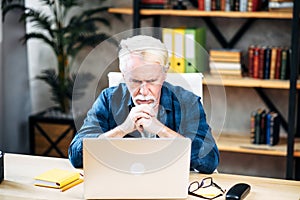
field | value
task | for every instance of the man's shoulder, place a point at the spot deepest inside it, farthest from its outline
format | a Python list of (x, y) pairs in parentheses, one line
[(119, 89)]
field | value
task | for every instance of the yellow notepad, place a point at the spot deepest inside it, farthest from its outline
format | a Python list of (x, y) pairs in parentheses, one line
[(72, 184), (56, 178)]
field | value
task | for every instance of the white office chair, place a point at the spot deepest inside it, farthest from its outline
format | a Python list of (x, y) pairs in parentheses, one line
[(189, 81)]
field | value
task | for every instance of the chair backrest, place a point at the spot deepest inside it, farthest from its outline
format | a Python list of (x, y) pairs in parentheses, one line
[(189, 81)]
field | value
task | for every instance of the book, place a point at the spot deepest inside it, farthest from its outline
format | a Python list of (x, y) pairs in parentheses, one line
[(263, 121), (72, 184), (237, 73), (261, 65), (56, 178), (284, 63), (243, 5), (227, 53), (250, 60), (225, 65), (273, 62), (256, 62), (201, 5), (207, 5), (267, 62), (258, 130), (213, 5), (278, 63), (279, 5), (252, 127), (273, 127), (223, 5), (224, 59), (256, 5)]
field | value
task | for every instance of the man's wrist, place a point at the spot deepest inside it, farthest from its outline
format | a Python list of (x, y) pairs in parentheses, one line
[(120, 131), (166, 132), (114, 133)]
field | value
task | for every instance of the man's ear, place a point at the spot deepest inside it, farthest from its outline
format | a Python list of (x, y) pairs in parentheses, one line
[(164, 76)]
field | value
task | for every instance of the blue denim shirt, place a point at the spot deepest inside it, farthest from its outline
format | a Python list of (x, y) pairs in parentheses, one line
[(180, 110)]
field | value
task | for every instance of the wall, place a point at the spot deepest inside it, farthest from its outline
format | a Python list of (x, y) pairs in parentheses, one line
[(1, 87)]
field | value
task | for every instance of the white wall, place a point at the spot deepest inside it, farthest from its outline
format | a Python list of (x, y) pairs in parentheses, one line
[(40, 57)]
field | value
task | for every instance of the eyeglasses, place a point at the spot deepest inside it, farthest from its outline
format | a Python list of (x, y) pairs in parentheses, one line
[(205, 183)]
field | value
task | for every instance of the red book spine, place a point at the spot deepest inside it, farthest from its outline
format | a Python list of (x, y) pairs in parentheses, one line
[(201, 5), (256, 5), (278, 63), (223, 5), (250, 60), (213, 5), (256, 62)]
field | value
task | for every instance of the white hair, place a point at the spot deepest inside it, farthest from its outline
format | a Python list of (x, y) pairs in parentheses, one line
[(151, 49)]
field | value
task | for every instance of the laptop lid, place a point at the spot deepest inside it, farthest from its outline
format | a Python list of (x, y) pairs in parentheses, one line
[(136, 168)]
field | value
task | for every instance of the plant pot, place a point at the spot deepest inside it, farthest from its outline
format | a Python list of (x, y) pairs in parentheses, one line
[(51, 133)]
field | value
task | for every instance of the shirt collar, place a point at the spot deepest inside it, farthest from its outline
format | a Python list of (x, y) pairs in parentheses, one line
[(166, 98)]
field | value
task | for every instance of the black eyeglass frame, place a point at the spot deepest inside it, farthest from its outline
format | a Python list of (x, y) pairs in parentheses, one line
[(201, 185)]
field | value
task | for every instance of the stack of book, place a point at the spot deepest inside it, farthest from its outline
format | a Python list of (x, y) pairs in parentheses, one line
[(230, 5), (264, 127), (225, 62), (268, 62), (281, 5)]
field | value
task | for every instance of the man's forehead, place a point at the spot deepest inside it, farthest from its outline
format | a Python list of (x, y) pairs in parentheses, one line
[(143, 74)]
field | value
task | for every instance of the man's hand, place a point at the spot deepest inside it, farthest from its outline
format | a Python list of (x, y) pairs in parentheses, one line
[(143, 111), (152, 125)]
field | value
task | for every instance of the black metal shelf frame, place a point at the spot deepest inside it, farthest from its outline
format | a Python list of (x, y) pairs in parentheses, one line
[(290, 127)]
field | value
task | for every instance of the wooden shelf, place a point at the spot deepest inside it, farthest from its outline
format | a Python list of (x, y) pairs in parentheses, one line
[(241, 144), (246, 82), (197, 13)]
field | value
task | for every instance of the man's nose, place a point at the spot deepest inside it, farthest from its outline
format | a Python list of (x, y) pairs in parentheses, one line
[(144, 89)]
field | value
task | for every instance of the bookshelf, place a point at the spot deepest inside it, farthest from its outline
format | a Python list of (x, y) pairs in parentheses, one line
[(290, 147), (197, 13), (240, 143), (247, 82)]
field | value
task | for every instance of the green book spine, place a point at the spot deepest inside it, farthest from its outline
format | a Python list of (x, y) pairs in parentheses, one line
[(283, 64)]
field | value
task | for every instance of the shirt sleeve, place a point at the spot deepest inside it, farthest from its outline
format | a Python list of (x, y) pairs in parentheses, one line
[(94, 124), (205, 153)]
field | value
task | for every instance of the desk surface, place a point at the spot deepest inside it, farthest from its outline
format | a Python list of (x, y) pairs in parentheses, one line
[(20, 170)]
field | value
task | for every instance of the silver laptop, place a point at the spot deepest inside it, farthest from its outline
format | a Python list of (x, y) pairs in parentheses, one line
[(136, 168)]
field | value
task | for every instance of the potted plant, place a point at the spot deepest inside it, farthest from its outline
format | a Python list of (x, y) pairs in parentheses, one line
[(67, 33)]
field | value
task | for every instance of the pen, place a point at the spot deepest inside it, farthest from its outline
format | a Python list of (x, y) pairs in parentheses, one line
[(80, 180)]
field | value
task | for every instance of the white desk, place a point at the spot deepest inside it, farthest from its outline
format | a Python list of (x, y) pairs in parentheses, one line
[(20, 170)]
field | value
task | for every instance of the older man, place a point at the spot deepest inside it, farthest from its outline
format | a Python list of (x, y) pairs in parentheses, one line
[(147, 106)]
